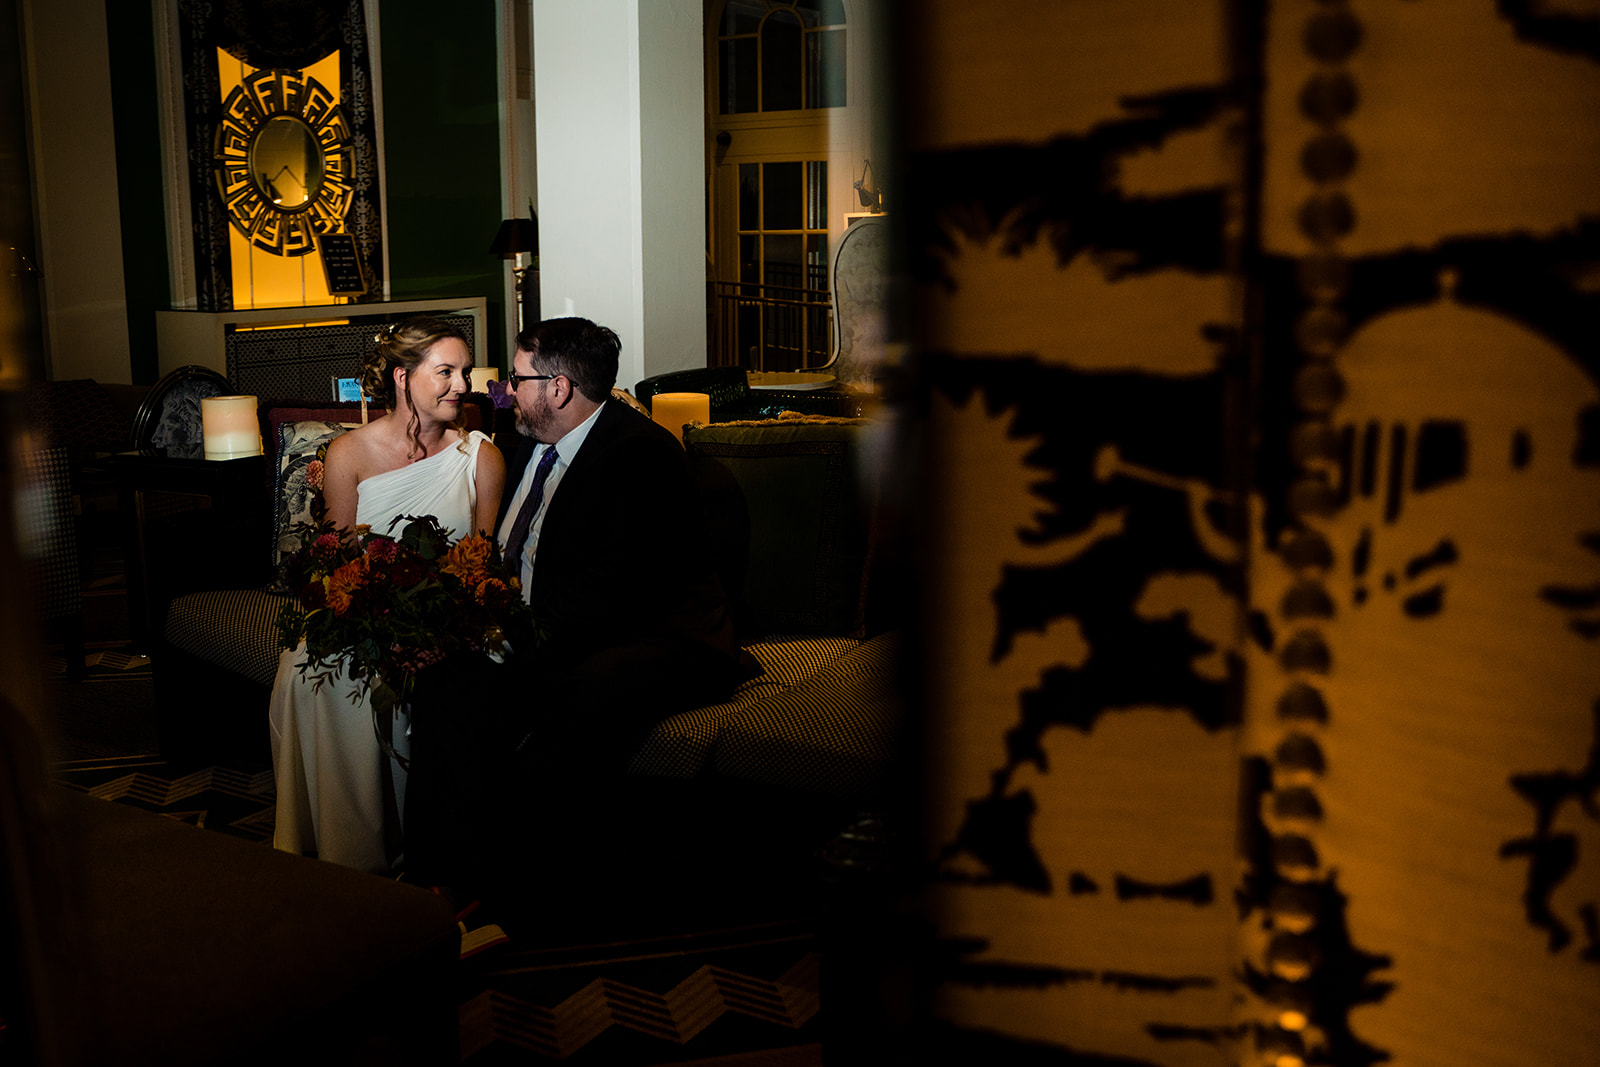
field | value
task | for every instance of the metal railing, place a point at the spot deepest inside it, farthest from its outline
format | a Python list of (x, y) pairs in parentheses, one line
[(769, 327)]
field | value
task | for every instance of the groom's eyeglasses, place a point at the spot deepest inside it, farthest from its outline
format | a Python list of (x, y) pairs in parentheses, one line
[(518, 379)]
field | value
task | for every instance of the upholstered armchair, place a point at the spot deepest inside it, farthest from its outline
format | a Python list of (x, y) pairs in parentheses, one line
[(169, 418)]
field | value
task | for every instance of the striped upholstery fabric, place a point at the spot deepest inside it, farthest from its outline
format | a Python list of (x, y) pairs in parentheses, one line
[(49, 542), (790, 659), (236, 629), (832, 733), (682, 746)]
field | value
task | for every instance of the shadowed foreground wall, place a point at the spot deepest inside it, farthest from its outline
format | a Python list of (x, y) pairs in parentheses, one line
[(1256, 349)]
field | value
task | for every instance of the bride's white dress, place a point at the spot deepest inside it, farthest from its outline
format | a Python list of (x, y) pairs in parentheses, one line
[(325, 755)]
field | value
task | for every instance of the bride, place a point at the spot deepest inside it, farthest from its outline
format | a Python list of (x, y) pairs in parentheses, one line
[(416, 459)]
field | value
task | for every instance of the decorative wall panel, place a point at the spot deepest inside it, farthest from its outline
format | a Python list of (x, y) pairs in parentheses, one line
[(1432, 568), (1076, 186), (1257, 369), (278, 35)]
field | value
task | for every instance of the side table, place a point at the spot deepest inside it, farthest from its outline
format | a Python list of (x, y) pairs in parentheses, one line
[(235, 489)]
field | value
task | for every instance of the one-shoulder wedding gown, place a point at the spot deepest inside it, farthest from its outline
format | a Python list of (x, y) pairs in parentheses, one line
[(330, 772)]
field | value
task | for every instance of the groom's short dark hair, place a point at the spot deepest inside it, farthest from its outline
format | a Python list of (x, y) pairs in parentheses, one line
[(588, 354)]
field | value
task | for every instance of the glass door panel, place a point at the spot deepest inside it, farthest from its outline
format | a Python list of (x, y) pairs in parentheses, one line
[(782, 317)]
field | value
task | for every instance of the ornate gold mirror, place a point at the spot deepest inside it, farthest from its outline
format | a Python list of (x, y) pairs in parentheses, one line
[(286, 162), (283, 161)]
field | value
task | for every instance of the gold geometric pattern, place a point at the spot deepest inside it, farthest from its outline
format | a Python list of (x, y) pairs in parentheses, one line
[(281, 95)]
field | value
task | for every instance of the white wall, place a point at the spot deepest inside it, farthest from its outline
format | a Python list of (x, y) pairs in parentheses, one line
[(75, 190), (672, 76), (621, 174)]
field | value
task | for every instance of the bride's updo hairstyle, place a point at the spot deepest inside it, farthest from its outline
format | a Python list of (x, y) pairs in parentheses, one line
[(405, 345)]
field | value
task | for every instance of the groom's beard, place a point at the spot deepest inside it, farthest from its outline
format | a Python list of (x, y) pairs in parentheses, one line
[(532, 425)]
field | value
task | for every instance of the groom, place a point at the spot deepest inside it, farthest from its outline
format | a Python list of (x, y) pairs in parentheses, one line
[(601, 522), (614, 557)]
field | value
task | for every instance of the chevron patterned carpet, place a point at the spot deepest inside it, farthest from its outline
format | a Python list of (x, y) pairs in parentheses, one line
[(215, 798), (102, 665), (747, 995)]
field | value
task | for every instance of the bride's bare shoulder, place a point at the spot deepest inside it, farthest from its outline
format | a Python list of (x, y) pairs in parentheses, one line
[(359, 445)]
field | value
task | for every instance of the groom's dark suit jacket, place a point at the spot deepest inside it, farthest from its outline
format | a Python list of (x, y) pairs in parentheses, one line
[(623, 578), (638, 628)]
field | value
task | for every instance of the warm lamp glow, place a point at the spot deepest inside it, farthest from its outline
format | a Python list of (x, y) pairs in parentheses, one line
[(228, 426), (482, 376), (672, 410)]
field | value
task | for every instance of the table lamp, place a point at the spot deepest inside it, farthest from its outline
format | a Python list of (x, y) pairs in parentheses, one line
[(517, 238), (228, 427)]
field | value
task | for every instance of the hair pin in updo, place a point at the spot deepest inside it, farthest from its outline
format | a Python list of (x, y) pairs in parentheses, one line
[(384, 335)]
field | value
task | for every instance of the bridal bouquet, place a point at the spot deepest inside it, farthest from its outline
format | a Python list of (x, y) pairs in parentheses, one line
[(382, 607)]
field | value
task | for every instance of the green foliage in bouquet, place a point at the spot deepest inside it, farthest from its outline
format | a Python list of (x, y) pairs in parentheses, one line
[(381, 608)]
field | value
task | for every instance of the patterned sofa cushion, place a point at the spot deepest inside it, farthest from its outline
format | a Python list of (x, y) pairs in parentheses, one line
[(682, 746), (236, 629)]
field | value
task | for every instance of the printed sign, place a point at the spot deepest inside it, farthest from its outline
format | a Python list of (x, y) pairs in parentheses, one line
[(341, 262)]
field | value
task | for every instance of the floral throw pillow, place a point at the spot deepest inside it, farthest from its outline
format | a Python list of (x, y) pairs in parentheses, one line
[(298, 497)]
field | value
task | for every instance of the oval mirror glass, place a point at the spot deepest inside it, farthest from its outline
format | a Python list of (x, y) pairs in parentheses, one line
[(285, 162)]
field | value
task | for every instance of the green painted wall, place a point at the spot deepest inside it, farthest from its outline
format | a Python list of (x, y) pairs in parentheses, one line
[(442, 153)]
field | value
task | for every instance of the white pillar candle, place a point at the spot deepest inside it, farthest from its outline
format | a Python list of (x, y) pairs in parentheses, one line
[(672, 410), (228, 426)]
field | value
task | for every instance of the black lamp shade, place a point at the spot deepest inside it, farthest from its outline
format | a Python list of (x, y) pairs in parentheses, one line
[(516, 235)]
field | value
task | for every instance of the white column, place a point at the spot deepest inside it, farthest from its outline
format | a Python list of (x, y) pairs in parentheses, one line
[(621, 174)]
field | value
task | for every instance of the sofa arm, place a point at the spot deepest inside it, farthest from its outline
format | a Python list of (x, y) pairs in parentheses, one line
[(682, 746), (232, 628), (834, 733), (196, 947), (823, 719)]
